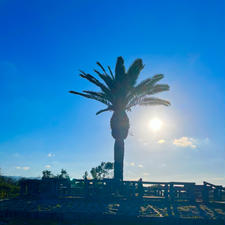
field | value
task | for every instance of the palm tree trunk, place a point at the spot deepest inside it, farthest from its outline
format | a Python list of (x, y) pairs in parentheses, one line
[(118, 159), (120, 126)]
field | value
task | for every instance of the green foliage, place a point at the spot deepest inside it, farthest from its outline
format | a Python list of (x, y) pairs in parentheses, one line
[(102, 171), (8, 187), (120, 92)]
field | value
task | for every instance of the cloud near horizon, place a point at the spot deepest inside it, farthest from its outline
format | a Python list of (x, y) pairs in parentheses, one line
[(22, 167)]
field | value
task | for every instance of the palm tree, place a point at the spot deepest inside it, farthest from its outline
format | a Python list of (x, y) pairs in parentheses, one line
[(120, 93)]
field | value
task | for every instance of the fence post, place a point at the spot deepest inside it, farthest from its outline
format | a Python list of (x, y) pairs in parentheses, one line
[(205, 193), (86, 187), (220, 194), (172, 192), (166, 191), (192, 192)]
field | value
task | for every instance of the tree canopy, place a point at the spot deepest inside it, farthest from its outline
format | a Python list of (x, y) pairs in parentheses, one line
[(120, 91), (102, 171)]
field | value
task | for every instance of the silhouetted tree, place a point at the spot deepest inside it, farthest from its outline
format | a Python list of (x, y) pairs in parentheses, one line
[(64, 174), (85, 176), (102, 171), (47, 174), (120, 93)]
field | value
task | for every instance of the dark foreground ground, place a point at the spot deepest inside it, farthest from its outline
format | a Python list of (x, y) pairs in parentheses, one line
[(79, 211)]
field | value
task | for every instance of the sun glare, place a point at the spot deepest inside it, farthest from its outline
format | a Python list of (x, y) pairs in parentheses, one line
[(155, 124)]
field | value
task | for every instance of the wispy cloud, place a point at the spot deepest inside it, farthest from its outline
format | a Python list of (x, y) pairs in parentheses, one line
[(185, 142), (51, 154), (204, 141), (26, 168), (47, 166), (140, 166), (22, 167)]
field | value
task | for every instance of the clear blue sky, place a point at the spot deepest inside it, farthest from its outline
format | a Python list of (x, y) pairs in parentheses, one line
[(43, 44)]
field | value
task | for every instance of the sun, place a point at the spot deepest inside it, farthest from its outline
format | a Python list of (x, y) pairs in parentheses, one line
[(155, 124)]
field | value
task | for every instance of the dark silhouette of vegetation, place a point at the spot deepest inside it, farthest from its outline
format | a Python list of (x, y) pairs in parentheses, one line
[(102, 171), (85, 176), (8, 187), (48, 174), (64, 174), (120, 93)]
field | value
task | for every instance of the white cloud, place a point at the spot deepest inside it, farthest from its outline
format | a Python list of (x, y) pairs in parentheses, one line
[(185, 142), (145, 174), (22, 167), (47, 166), (26, 168), (132, 164), (140, 166), (161, 141), (51, 154)]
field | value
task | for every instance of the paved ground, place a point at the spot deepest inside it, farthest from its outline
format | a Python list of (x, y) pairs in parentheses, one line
[(146, 208)]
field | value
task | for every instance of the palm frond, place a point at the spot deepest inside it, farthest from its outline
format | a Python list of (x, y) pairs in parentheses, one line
[(104, 110), (134, 71), (103, 69), (96, 82), (146, 85), (111, 73), (137, 100), (134, 101), (106, 78), (120, 69), (158, 88), (97, 98), (153, 101), (119, 91), (98, 94)]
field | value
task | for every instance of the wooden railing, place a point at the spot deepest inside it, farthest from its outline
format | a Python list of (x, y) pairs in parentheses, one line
[(108, 188)]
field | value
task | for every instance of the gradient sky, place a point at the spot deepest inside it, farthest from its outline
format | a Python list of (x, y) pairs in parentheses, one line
[(43, 44)]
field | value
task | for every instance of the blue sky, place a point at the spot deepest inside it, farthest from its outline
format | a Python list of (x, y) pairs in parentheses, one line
[(43, 44)]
